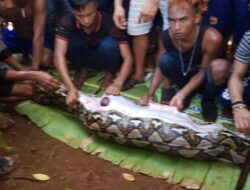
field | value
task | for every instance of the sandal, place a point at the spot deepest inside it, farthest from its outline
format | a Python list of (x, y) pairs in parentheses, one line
[(131, 82), (7, 164), (167, 95)]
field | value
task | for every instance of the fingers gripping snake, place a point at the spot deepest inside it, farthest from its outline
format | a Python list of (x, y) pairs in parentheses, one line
[(158, 127)]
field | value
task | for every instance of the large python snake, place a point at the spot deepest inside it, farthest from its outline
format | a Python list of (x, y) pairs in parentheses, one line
[(159, 127)]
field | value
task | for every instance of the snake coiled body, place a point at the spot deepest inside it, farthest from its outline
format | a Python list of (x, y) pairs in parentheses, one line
[(158, 127)]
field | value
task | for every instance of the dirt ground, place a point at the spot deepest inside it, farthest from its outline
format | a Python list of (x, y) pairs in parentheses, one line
[(68, 168)]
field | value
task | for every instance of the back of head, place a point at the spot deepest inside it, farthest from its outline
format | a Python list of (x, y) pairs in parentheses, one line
[(80, 4)]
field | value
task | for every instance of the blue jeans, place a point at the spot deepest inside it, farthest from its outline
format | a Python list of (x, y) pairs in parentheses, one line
[(170, 66), (17, 44), (53, 9), (225, 97), (105, 56)]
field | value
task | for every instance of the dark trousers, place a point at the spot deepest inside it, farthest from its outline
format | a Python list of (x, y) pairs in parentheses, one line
[(106, 56), (225, 97), (170, 66)]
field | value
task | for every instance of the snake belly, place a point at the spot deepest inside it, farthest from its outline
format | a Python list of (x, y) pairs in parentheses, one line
[(156, 127)]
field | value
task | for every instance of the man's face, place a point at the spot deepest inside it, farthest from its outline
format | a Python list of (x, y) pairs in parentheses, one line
[(181, 21), (6, 4), (86, 16)]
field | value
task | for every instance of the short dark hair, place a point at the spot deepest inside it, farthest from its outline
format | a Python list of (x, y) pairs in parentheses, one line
[(80, 4)]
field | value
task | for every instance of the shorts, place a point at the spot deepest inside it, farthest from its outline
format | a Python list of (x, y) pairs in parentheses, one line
[(134, 27)]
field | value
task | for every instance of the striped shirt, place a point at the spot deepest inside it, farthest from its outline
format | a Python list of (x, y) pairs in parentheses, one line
[(243, 51)]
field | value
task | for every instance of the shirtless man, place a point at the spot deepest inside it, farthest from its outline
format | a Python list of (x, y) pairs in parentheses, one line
[(190, 61), (28, 18)]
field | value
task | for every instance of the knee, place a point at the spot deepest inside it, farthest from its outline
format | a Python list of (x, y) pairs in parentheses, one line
[(219, 70), (22, 90), (28, 90), (166, 63), (108, 46), (47, 58)]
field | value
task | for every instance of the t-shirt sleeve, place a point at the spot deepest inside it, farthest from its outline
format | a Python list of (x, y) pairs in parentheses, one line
[(3, 71), (66, 26), (119, 34), (5, 53), (243, 50)]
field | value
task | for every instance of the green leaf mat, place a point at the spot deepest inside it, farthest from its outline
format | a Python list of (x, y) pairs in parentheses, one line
[(192, 174)]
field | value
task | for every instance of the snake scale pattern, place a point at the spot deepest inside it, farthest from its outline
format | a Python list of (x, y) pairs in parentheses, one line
[(157, 127)]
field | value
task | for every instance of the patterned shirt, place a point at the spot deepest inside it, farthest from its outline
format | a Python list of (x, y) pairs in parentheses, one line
[(243, 51)]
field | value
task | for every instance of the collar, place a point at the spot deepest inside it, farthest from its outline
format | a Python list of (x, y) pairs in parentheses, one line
[(99, 21)]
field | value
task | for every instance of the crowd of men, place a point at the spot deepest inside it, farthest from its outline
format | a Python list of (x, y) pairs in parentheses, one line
[(112, 36)]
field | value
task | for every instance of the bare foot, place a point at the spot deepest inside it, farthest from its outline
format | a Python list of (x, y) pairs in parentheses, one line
[(107, 81), (80, 78)]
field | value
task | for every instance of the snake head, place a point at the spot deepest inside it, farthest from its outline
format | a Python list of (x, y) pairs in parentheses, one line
[(105, 101)]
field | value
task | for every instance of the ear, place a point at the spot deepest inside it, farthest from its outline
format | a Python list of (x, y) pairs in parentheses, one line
[(197, 18)]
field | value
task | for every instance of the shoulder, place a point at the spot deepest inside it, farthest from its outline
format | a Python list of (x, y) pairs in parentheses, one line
[(246, 37), (211, 35), (67, 21), (242, 53)]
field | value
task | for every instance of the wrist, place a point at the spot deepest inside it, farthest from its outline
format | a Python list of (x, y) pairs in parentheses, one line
[(180, 95), (237, 106), (118, 83), (118, 3)]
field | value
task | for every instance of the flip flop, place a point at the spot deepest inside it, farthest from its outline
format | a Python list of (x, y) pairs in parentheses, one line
[(131, 82)]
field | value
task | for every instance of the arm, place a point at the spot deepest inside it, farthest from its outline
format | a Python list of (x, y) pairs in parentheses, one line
[(15, 64), (125, 70), (148, 11), (42, 78), (38, 39), (119, 15), (61, 47), (211, 46), (157, 78), (6, 56), (235, 86)]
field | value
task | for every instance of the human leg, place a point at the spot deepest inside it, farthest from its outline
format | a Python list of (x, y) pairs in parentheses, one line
[(170, 67), (216, 75), (109, 52), (139, 31), (80, 56), (12, 92)]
